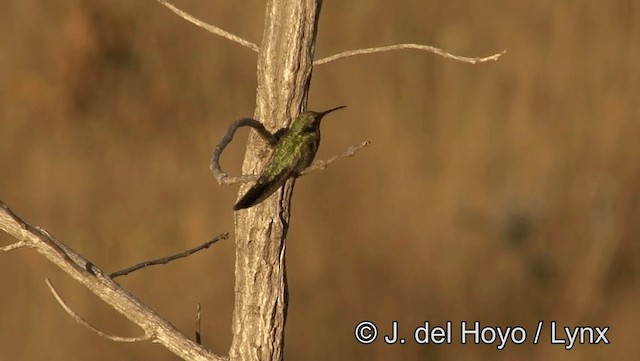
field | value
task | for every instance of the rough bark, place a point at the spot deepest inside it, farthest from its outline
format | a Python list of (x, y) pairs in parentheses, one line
[(284, 74)]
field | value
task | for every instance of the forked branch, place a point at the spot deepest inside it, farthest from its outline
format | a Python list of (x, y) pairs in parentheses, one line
[(157, 329)]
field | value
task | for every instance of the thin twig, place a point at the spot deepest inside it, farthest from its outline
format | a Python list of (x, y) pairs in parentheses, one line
[(165, 260), (215, 167), (86, 324), (198, 316), (429, 48), (322, 164), (210, 28), (13, 246)]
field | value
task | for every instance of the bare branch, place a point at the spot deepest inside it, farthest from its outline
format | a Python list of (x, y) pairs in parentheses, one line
[(322, 164), (161, 331), (428, 48), (210, 28), (26, 234), (215, 167), (86, 324), (165, 260)]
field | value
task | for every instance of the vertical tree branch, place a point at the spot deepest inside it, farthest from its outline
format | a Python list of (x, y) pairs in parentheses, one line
[(284, 74)]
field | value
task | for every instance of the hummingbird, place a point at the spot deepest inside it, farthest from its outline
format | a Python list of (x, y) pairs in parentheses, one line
[(293, 152)]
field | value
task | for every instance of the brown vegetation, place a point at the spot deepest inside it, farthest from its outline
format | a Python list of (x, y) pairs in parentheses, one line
[(504, 192)]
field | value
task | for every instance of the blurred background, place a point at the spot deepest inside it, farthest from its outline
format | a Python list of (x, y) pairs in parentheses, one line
[(506, 192)]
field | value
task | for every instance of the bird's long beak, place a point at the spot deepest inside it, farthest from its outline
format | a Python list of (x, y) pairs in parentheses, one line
[(322, 114)]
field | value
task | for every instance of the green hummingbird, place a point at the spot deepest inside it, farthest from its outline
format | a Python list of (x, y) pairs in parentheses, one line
[(293, 152)]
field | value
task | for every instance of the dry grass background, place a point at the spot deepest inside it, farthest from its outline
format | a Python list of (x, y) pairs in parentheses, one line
[(506, 192)]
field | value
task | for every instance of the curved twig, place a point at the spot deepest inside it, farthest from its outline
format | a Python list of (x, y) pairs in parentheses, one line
[(429, 48), (210, 28), (86, 324), (215, 167)]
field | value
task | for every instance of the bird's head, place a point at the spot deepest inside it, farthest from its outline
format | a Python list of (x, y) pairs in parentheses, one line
[(311, 120)]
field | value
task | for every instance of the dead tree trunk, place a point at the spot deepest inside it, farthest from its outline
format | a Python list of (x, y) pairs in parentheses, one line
[(284, 74)]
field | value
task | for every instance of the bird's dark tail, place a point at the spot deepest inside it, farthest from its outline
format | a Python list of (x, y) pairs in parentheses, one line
[(253, 196)]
